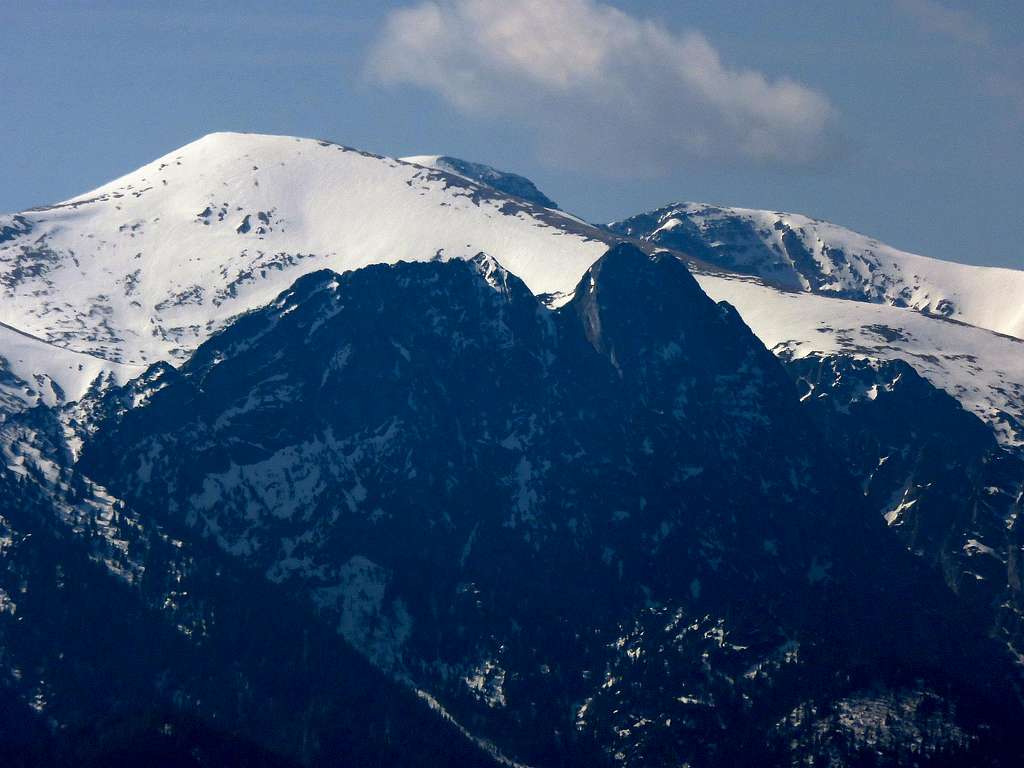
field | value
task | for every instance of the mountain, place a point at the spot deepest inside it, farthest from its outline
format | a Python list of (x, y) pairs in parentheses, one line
[(804, 254), (124, 645), (593, 536), (510, 183), (149, 266), (146, 267), (310, 454)]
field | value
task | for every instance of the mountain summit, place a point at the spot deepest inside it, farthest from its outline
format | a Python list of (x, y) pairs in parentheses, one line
[(143, 268)]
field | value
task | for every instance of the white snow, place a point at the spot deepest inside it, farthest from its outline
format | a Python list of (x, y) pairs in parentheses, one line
[(42, 373), (486, 681)]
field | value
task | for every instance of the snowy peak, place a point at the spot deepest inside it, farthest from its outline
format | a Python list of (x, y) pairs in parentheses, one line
[(800, 253), (146, 267), (503, 181)]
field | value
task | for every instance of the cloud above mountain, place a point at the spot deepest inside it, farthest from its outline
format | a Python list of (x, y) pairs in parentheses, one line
[(597, 85)]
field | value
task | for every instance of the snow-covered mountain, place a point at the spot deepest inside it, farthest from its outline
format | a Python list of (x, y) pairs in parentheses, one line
[(146, 267), (804, 254)]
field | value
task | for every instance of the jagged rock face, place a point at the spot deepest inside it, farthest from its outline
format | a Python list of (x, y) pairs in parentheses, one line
[(600, 534)]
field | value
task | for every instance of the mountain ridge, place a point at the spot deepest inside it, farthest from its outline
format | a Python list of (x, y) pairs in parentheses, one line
[(147, 266), (805, 254)]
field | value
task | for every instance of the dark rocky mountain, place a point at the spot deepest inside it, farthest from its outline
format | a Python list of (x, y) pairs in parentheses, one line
[(123, 645), (607, 534)]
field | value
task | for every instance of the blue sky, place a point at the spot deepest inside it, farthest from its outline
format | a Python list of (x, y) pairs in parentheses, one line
[(903, 119)]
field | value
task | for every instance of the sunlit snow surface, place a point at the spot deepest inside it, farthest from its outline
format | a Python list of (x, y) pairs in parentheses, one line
[(34, 372), (148, 266)]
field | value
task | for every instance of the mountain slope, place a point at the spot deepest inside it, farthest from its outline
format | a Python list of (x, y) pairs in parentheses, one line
[(34, 372), (799, 253), (931, 471), (126, 644)]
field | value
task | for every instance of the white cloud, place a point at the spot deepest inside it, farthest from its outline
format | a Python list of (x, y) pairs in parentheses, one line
[(953, 23), (597, 85)]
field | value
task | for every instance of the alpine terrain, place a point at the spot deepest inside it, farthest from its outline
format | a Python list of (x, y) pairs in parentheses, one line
[(314, 457)]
